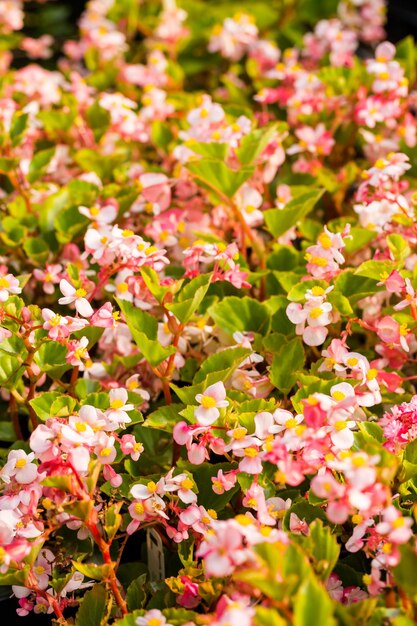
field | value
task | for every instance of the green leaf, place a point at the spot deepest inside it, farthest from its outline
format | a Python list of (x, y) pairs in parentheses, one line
[(7, 432), (322, 545), (112, 520), (63, 483), (313, 605), (375, 269), (92, 570), (51, 359), (11, 369), (241, 314), (410, 452), (210, 150), (279, 221), (218, 177), (265, 616), (225, 361), (354, 287), (399, 247), (130, 620), (103, 165), (76, 193), (340, 303), (283, 258), (409, 463), (184, 310), (186, 552), (70, 223), (93, 607), (53, 204), (165, 417), (136, 595), (98, 120), (161, 134), (55, 121), (404, 572), (63, 406), (79, 508), (152, 282), (17, 127), (286, 363), (14, 577), (36, 249), (406, 54), (144, 330), (42, 404), (8, 164), (39, 164), (360, 237), (254, 143), (179, 617)]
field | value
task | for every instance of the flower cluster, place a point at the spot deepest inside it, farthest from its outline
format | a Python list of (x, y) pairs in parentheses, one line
[(208, 315)]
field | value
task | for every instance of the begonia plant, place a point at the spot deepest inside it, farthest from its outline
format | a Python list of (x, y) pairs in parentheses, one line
[(208, 309)]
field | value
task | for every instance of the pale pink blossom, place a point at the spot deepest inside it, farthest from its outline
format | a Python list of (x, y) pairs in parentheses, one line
[(76, 297), (9, 285), (211, 400)]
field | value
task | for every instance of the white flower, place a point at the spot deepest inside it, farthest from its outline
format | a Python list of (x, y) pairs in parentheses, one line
[(210, 402), (71, 294)]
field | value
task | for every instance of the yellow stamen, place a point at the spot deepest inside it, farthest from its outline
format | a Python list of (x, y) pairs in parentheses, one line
[(187, 483), (207, 402)]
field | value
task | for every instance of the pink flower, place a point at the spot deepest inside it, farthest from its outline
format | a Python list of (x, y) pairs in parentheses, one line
[(8, 285), (112, 476), (234, 37), (311, 320), (222, 550), (252, 459), (117, 414), (396, 527), (129, 445), (56, 325), (153, 617), (325, 486), (211, 400), (20, 467), (38, 48), (410, 298), (317, 141), (190, 597), (105, 317), (394, 282), (77, 353), (391, 332), (183, 486), (341, 434), (49, 277), (104, 449), (101, 215), (249, 200), (223, 482), (42, 568), (76, 296), (155, 193), (297, 525)]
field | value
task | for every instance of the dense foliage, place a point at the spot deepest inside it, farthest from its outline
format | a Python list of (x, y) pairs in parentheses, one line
[(208, 311)]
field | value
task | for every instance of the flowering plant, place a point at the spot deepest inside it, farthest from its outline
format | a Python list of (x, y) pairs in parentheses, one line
[(208, 312)]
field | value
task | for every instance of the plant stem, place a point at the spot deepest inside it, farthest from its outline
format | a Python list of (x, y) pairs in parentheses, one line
[(104, 548), (15, 417)]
